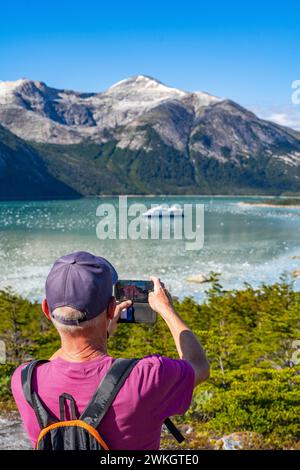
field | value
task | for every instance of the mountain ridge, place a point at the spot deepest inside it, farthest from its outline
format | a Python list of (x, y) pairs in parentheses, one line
[(141, 136), (34, 111)]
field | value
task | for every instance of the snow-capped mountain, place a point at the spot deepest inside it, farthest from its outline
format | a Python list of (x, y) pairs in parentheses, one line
[(34, 111), (141, 136)]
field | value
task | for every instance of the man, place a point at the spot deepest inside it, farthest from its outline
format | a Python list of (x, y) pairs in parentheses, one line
[(80, 304)]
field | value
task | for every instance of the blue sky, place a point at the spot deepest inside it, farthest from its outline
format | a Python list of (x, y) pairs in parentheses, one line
[(249, 53)]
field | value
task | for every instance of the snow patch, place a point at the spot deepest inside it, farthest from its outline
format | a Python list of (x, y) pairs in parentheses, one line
[(146, 83), (292, 159), (205, 99), (7, 87)]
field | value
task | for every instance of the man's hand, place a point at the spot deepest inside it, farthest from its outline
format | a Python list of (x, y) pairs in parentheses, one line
[(187, 343), (160, 299), (113, 324)]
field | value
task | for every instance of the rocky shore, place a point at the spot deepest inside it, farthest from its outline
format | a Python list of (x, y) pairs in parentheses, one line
[(12, 434)]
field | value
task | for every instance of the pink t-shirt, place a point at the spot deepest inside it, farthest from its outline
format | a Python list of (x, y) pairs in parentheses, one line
[(157, 387)]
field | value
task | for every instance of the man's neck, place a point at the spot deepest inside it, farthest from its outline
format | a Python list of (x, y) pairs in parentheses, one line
[(79, 349)]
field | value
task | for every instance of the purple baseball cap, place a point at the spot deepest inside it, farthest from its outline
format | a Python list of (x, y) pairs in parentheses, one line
[(82, 281)]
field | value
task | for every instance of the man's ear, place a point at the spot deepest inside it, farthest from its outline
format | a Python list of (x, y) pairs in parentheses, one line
[(45, 309), (111, 307)]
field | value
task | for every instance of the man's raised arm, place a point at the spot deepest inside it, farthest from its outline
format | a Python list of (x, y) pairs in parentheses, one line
[(187, 343)]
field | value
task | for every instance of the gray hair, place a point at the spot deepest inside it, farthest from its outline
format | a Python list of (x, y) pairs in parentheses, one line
[(70, 313)]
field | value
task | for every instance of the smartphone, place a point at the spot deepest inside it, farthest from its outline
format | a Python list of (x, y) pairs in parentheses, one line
[(137, 291)]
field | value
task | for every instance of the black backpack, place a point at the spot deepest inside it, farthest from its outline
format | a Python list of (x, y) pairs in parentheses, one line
[(81, 433)]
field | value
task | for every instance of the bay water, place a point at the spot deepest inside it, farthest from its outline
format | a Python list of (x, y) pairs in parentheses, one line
[(244, 243)]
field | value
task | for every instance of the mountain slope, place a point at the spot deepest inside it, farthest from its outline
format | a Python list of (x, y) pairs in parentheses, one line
[(230, 146), (34, 111), (141, 136), (23, 173)]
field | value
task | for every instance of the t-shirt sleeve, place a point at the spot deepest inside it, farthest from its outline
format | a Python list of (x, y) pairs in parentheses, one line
[(175, 381)]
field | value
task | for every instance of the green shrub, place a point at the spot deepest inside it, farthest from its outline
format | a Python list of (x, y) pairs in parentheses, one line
[(264, 401), (249, 336)]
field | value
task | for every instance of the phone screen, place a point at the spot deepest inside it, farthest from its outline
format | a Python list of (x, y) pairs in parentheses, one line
[(138, 313), (137, 291), (127, 315)]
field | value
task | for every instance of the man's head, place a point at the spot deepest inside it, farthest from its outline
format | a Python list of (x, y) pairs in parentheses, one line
[(79, 292)]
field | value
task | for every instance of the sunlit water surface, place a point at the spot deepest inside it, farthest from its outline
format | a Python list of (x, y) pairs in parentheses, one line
[(243, 243)]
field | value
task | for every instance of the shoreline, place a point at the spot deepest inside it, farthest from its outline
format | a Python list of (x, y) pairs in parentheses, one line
[(99, 196), (261, 204)]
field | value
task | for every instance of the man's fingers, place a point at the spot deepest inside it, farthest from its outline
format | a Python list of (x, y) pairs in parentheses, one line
[(169, 296), (156, 283), (122, 305)]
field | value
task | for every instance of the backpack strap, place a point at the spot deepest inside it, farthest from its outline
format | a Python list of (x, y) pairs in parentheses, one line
[(97, 408), (174, 430), (62, 401), (107, 391), (31, 396)]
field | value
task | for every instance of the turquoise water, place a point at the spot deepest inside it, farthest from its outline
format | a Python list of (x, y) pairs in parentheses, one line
[(245, 244)]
